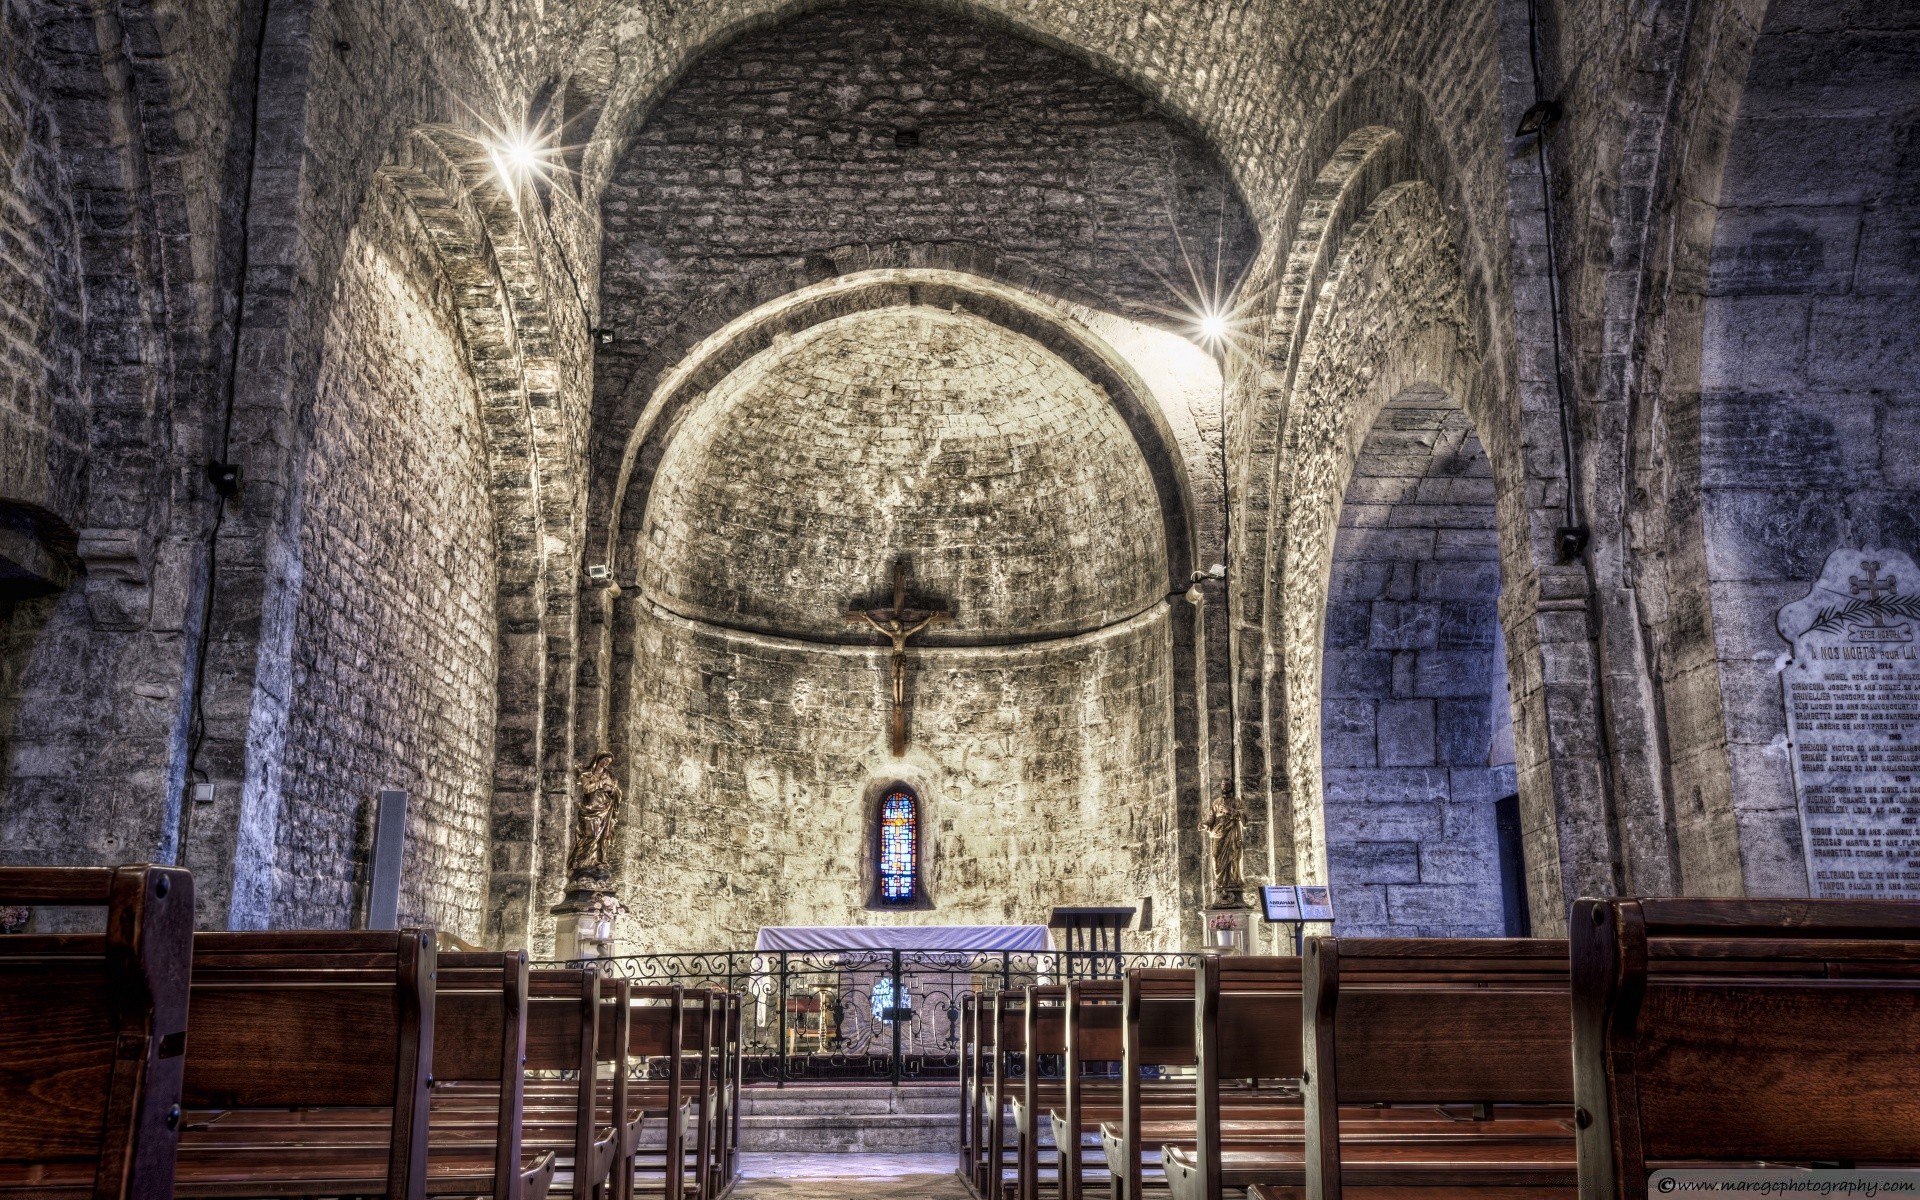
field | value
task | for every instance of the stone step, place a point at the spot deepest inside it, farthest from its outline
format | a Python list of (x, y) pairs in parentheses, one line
[(850, 1101), (899, 1133), (851, 1118)]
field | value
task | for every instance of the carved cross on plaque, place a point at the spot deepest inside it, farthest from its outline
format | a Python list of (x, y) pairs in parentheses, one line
[(897, 624), (1873, 586)]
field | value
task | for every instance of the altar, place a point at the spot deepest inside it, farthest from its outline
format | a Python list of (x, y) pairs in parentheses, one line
[(867, 989), (1020, 939)]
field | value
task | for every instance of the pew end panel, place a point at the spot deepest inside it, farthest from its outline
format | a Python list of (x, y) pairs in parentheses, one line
[(1738, 1031), (93, 1033)]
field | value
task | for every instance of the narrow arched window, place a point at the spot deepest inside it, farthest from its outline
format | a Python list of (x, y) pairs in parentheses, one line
[(898, 846)]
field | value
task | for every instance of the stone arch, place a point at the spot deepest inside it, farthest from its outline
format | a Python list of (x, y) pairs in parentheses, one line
[(1374, 332), (1416, 719), (615, 535), (483, 249)]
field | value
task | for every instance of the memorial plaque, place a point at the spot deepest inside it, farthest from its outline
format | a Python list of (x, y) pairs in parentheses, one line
[(1853, 723)]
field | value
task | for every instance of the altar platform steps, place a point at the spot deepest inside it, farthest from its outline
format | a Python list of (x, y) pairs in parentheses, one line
[(914, 1118)]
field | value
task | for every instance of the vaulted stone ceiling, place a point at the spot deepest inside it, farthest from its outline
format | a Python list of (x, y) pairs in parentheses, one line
[(1005, 477)]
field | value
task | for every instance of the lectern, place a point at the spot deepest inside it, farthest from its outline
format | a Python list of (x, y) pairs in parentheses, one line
[(1093, 940)]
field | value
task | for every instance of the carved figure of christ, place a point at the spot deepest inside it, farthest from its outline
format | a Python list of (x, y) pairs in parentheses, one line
[(897, 624)]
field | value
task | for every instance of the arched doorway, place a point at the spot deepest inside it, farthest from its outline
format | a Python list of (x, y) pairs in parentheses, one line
[(1416, 720)]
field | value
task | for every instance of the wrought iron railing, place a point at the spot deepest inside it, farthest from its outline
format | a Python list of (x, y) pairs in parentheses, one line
[(866, 1014)]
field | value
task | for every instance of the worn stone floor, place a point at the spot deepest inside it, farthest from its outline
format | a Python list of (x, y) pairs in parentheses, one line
[(851, 1176)]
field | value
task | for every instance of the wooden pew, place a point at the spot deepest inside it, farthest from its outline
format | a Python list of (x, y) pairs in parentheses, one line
[(475, 1125), (968, 1009), (1246, 1013), (1093, 1035), (313, 1021), (1001, 1037), (92, 1030), (1042, 1033), (1480, 1024), (657, 1030), (563, 1025), (1724, 1032), (1157, 1032)]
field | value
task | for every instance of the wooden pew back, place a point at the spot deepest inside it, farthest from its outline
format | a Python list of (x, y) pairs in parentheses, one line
[(93, 1026), (1248, 1017), (317, 1020), (1439, 1020), (1741, 1029), (1434, 1020)]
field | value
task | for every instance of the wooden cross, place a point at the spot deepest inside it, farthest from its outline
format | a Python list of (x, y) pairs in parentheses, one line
[(897, 624)]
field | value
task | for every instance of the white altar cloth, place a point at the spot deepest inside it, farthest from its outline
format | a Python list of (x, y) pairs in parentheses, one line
[(903, 937)]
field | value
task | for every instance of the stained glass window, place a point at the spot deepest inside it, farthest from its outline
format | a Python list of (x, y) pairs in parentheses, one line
[(899, 848)]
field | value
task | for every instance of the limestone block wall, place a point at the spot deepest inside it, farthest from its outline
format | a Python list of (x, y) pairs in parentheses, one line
[(42, 404), (1809, 412), (1046, 775), (873, 124), (395, 633), (1414, 676)]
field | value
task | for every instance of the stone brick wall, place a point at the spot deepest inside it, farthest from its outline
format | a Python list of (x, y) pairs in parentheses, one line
[(1046, 775), (1027, 510), (1809, 413), (785, 144), (395, 634), (43, 412), (1415, 673), (1017, 493)]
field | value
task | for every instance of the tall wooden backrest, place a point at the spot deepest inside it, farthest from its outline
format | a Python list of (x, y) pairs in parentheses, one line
[(1005, 1034), (612, 1030), (93, 1027), (1093, 1035), (318, 1019), (1246, 1026), (1043, 1031), (1734, 1030), (563, 1021), (479, 1035), (703, 1036), (657, 1029), (1158, 1032), (1428, 1020)]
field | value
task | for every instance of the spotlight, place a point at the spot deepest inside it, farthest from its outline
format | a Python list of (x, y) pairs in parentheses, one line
[(517, 156), (1213, 327)]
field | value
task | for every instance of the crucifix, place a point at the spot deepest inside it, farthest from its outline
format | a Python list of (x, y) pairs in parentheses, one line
[(897, 624)]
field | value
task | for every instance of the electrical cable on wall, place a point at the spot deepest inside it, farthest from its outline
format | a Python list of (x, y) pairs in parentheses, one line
[(222, 474), (1538, 121)]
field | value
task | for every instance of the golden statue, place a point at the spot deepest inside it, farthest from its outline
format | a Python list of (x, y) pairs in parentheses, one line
[(593, 819), (1226, 833)]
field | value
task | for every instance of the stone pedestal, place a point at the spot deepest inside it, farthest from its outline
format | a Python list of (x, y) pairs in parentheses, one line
[(1228, 930), (583, 925)]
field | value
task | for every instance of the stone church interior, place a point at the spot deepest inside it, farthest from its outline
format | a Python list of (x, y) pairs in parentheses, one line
[(1003, 599)]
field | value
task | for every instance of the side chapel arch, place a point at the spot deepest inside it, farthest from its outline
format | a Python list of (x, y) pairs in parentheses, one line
[(483, 245), (1372, 301)]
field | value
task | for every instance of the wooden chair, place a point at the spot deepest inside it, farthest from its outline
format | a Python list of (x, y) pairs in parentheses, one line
[(1726, 1032), (92, 1032)]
